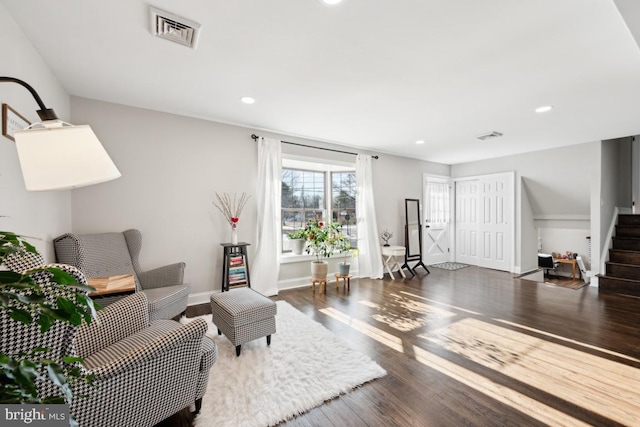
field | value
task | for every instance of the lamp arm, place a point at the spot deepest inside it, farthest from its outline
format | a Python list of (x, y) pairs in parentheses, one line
[(44, 113)]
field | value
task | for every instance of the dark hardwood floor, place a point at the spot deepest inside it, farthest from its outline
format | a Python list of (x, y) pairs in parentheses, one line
[(475, 347)]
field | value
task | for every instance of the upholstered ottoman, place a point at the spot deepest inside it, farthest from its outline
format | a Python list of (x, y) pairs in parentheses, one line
[(243, 315)]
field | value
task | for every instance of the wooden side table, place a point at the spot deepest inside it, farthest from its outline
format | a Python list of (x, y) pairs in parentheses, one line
[(391, 252), (346, 281), (321, 283), (573, 263), (124, 284)]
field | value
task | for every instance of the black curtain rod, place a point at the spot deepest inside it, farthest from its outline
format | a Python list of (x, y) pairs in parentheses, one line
[(255, 138)]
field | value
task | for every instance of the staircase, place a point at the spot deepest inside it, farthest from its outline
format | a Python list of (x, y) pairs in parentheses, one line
[(623, 268)]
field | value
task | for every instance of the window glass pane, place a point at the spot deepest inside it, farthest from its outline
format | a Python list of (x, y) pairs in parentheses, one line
[(303, 199), (343, 203)]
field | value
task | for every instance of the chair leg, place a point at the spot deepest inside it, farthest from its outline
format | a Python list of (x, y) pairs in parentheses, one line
[(219, 331), (198, 406), (238, 349), (268, 339)]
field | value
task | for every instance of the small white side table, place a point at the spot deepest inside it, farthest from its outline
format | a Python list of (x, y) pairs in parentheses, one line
[(389, 254)]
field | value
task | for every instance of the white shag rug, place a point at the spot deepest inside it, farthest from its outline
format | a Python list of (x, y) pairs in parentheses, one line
[(305, 366)]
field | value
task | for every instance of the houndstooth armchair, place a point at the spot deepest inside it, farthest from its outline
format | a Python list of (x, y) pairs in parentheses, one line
[(112, 254), (144, 372), (134, 361)]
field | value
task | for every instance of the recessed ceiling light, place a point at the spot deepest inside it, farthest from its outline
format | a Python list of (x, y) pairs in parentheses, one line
[(544, 108), (248, 100), (420, 141), (330, 2)]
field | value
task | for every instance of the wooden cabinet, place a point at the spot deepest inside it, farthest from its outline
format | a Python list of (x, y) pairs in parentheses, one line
[(235, 266)]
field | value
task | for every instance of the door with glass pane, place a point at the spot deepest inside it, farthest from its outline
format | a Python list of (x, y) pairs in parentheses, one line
[(437, 206)]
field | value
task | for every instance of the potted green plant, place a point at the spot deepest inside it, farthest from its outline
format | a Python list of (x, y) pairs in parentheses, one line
[(323, 240), (297, 240), (344, 266), (24, 300)]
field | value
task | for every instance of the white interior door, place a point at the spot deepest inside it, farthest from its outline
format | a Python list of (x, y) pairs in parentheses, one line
[(467, 221), (437, 206), (496, 204), (485, 221)]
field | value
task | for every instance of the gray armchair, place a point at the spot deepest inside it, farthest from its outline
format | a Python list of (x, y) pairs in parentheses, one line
[(134, 360), (113, 254)]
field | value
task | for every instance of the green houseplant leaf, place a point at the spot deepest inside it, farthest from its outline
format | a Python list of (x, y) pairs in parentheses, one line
[(25, 301)]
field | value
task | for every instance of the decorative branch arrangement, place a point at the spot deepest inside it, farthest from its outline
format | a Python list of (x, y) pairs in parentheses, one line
[(231, 207), (386, 235)]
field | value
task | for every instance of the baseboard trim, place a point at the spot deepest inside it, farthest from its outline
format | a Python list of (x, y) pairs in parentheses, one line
[(298, 282)]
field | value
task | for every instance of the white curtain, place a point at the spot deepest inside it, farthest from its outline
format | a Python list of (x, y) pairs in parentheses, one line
[(265, 269), (370, 257), (437, 200)]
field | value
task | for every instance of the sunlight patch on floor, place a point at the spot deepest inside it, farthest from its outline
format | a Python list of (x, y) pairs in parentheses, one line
[(379, 335), (441, 303), (414, 314), (605, 387), (512, 398), (569, 340)]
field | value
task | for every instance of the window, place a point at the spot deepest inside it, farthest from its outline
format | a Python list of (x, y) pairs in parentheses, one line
[(343, 203), (317, 191)]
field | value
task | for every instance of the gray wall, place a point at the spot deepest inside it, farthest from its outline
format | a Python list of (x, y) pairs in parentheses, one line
[(559, 190), (171, 168), (624, 191), (42, 216), (609, 184)]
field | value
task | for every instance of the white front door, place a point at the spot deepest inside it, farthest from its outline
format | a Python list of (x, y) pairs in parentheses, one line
[(437, 220), (485, 221)]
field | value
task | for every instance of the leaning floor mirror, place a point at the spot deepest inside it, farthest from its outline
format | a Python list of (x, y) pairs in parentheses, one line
[(413, 235)]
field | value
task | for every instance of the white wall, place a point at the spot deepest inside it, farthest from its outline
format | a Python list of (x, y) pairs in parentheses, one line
[(396, 179), (562, 239), (42, 216), (171, 168), (526, 232)]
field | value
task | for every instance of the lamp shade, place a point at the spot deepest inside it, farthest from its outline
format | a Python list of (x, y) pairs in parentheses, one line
[(58, 157)]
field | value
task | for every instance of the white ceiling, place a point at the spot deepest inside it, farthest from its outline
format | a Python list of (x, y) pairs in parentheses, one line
[(377, 74)]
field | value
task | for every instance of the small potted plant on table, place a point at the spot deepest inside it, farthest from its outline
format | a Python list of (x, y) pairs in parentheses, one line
[(344, 266)]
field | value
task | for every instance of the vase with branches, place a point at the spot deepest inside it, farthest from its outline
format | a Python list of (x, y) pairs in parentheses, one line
[(231, 207)]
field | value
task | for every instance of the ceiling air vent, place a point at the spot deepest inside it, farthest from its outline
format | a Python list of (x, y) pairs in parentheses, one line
[(175, 28), (490, 135)]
